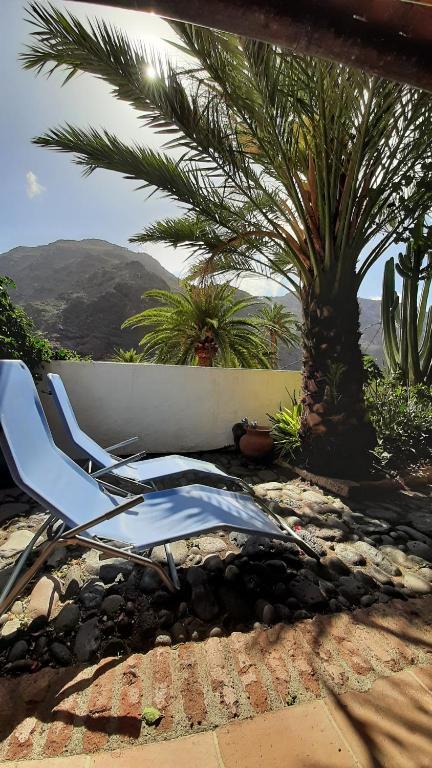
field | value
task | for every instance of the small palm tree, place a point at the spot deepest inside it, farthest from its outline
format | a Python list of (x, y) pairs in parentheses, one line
[(281, 326), (201, 325), (127, 355)]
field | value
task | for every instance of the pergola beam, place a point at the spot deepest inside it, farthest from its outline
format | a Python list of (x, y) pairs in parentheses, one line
[(390, 38)]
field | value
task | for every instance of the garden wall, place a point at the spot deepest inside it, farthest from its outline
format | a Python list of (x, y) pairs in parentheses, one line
[(171, 408)]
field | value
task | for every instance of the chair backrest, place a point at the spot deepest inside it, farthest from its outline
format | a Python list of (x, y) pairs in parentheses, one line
[(80, 439), (35, 463)]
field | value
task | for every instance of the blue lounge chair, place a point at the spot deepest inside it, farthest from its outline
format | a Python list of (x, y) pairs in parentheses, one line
[(90, 510), (130, 469)]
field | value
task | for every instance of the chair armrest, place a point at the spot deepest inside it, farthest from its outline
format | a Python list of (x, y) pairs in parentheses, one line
[(107, 470), (120, 445), (106, 516)]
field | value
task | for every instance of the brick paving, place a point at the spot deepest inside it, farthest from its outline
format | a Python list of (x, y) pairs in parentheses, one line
[(201, 686)]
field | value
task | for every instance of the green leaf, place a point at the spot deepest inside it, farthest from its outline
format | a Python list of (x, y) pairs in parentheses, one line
[(151, 715)]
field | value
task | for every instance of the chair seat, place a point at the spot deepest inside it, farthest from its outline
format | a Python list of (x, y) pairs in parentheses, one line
[(152, 469), (182, 513)]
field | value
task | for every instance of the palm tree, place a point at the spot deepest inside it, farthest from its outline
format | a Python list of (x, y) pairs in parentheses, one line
[(281, 325), (201, 325), (298, 169)]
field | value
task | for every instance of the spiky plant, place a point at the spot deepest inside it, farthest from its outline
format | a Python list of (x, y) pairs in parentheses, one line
[(286, 166), (281, 325), (201, 325), (407, 322), (127, 355)]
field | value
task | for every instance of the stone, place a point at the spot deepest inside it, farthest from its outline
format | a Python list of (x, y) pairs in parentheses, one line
[(301, 615), (150, 580), (163, 639), (211, 544), (72, 582), (378, 575), (112, 605), (196, 577), (349, 554), (18, 651), (67, 619), (214, 564), (264, 611), (232, 573), (237, 538), (179, 551), (419, 549), (87, 640), (16, 542), (425, 573), (61, 654), (413, 534), (179, 632), (277, 569), (306, 592), (367, 600), (292, 521), (203, 603), (17, 608), (351, 589), (374, 526), (165, 618), (91, 563), (262, 488), (58, 557), (422, 521), (111, 569), (416, 585), (324, 533), (336, 565), (91, 595), (396, 555), (216, 632), (377, 558), (44, 598)]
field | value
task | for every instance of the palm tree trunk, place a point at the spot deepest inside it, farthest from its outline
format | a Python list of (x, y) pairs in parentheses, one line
[(273, 350), (336, 436)]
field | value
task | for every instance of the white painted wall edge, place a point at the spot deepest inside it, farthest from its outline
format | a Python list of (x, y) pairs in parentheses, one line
[(171, 408)]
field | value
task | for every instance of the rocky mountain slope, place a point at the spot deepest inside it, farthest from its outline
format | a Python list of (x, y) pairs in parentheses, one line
[(79, 293)]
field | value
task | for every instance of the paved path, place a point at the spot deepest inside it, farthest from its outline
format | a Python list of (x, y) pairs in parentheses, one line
[(387, 727), (300, 679)]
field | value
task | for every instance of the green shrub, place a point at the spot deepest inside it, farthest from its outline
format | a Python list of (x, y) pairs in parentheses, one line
[(18, 338), (285, 430), (402, 417)]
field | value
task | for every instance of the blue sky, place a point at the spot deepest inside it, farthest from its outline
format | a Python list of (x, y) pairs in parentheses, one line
[(43, 196)]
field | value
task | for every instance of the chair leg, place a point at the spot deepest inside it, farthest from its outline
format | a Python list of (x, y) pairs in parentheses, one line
[(22, 582), (23, 559), (172, 566), (117, 552)]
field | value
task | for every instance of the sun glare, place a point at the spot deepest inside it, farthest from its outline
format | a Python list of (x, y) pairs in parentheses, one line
[(149, 71)]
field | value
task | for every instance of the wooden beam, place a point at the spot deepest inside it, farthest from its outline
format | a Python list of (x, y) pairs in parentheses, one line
[(390, 38)]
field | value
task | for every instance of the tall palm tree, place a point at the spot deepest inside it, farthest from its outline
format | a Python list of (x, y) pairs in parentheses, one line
[(201, 325), (281, 326), (294, 168)]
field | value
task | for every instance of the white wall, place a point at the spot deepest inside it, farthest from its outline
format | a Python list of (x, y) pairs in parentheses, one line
[(171, 408)]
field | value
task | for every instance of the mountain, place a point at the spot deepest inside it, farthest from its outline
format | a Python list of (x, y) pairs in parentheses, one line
[(79, 292)]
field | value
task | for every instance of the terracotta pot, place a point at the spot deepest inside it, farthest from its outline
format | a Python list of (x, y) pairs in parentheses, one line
[(256, 442)]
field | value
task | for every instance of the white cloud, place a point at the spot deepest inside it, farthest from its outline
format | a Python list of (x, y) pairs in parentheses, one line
[(375, 298), (33, 188)]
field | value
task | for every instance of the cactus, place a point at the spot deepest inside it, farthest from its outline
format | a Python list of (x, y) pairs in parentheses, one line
[(407, 321)]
